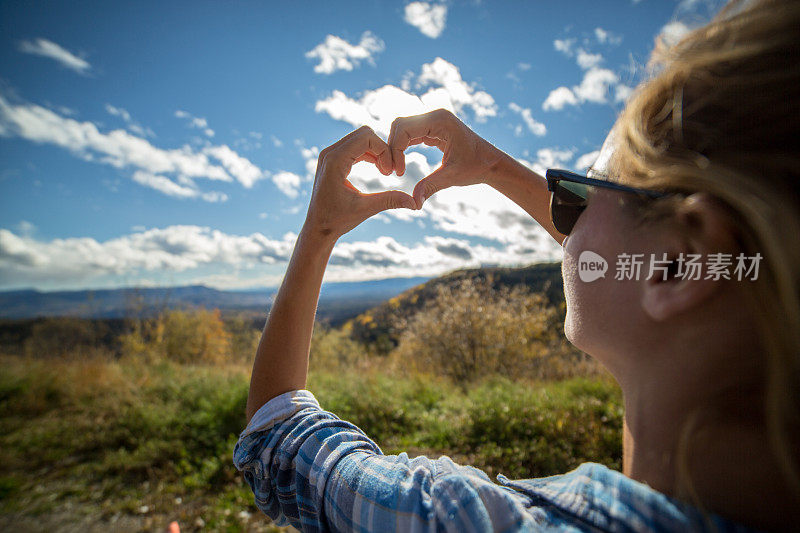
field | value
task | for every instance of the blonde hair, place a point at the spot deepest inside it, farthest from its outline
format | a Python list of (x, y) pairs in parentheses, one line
[(720, 115)]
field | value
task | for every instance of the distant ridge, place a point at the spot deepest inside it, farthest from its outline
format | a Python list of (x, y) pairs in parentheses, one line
[(117, 303)]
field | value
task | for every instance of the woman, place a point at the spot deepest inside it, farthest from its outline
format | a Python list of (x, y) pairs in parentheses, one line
[(703, 162)]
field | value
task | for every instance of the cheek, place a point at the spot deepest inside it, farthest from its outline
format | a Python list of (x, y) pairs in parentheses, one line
[(592, 304)]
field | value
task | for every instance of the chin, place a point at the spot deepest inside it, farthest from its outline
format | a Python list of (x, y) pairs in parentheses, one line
[(572, 329), (571, 321)]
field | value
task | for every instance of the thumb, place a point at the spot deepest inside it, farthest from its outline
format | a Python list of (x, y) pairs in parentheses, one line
[(437, 180), (381, 201)]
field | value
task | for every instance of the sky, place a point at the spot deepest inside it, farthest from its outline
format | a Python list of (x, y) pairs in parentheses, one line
[(175, 143)]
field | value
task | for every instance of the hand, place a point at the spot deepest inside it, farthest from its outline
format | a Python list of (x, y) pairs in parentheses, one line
[(336, 205), (468, 159)]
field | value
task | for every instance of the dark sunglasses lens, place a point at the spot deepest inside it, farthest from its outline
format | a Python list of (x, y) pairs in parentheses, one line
[(567, 204)]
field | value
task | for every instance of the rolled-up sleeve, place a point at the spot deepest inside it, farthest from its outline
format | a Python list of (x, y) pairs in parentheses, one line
[(310, 469)]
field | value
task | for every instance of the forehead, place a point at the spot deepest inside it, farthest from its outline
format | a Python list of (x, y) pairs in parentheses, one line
[(600, 167)]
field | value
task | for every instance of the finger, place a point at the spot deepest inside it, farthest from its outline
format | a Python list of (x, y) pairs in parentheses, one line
[(429, 141), (327, 150), (363, 142), (404, 130), (369, 158), (381, 201), (435, 141), (434, 182)]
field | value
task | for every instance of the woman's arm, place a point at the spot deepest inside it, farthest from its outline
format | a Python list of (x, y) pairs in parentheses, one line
[(336, 207), (468, 159), (525, 188), (281, 363)]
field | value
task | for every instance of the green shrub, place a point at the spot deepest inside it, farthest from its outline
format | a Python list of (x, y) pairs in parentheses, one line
[(103, 437), (471, 330)]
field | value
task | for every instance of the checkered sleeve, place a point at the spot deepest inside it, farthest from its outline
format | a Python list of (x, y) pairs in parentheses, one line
[(310, 469)]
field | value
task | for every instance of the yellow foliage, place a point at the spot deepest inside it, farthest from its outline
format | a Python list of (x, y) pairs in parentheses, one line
[(196, 336), (472, 329), (333, 349)]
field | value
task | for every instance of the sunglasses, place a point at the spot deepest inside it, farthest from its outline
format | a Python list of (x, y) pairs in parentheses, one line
[(570, 192)]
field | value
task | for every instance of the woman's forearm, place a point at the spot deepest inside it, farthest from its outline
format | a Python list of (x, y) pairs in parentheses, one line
[(281, 363), (335, 208), (525, 188)]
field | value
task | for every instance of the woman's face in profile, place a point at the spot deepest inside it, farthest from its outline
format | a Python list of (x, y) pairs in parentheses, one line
[(604, 315)]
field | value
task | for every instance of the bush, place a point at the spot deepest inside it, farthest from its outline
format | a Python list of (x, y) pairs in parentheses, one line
[(333, 349), (104, 437), (64, 337), (472, 330), (197, 336), (245, 334), (544, 430)]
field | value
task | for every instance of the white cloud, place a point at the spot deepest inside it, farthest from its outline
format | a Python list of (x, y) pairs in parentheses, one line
[(435, 255), (164, 185), (310, 156), (454, 90), (586, 60), (287, 182), (593, 88), (171, 249), (524, 66), (276, 142), (548, 158), (428, 18), (240, 167), (378, 108), (558, 98), (118, 112), (537, 128), (586, 160), (128, 120), (170, 188), (622, 92), (605, 36), (121, 149), (554, 157), (564, 46), (26, 228), (474, 211), (583, 58), (673, 32), (337, 54), (595, 84), (45, 48), (82, 261), (195, 122)]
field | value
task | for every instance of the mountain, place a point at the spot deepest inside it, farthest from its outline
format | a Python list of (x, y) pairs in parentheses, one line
[(377, 326), (336, 300)]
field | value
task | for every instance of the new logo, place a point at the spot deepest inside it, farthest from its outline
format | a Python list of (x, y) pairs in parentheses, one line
[(591, 266)]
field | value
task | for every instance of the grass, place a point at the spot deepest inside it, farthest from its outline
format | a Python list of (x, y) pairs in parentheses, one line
[(129, 444)]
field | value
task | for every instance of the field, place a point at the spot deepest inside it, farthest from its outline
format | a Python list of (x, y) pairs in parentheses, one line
[(131, 439)]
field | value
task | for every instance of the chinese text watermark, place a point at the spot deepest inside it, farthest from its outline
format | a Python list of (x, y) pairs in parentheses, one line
[(718, 266)]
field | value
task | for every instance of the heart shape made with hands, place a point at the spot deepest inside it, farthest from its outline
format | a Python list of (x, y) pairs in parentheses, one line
[(405, 175), (337, 205)]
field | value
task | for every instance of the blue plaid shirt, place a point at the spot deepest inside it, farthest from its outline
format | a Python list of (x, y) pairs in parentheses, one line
[(310, 469)]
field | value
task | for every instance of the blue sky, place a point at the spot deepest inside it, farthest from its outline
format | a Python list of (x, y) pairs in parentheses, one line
[(172, 143)]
